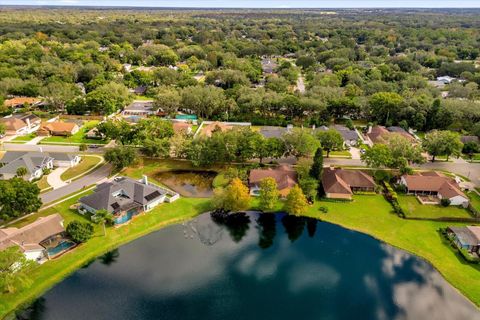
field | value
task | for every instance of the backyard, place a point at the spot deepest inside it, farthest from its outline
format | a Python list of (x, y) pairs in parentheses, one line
[(77, 138), (54, 271), (413, 208)]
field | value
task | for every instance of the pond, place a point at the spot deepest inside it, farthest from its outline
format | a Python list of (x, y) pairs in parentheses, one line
[(255, 266), (197, 184)]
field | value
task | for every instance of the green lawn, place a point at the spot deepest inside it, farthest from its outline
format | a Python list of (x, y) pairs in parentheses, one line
[(42, 183), (373, 215), (342, 153), (413, 208), (25, 138), (87, 163), (52, 272), (77, 138), (475, 199)]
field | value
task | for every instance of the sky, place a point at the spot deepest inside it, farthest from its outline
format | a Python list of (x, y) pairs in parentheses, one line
[(256, 3)]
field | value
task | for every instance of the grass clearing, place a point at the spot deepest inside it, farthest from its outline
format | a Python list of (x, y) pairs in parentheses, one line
[(42, 183), (77, 138), (87, 163), (373, 215), (475, 199), (413, 208), (24, 138)]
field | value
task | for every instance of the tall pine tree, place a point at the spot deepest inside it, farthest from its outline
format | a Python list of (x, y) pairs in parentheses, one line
[(317, 169)]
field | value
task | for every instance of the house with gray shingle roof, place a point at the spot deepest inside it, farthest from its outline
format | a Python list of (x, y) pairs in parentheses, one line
[(124, 198), (33, 162)]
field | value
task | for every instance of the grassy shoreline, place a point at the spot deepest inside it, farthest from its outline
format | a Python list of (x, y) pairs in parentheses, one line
[(368, 214)]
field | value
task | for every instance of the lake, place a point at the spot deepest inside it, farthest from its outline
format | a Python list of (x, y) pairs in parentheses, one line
[(255, 266)]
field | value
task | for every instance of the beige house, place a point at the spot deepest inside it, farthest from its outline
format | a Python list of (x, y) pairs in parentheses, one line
[(341, 184)]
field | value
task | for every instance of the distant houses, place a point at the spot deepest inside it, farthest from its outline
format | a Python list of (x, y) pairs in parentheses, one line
[(209, 127), (58, 128), (182, 127), (125, 198), (40, 240), (20, 102), (380, 134), (436, 185), (34, 162), (342, 184), (139, 109), (285, 176), (21, 124)]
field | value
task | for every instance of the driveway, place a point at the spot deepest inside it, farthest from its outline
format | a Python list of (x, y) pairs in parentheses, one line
[(54, 179), (355, 152), (91, 178)]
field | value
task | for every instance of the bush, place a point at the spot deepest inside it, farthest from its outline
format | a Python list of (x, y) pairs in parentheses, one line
[(323, 209), (80, 231), (445, 202), (83, 147)]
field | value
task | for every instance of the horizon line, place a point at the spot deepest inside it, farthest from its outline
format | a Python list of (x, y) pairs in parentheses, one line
[(213, 8)]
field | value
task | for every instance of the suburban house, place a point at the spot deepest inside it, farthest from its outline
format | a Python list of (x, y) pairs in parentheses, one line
[(21, 124), (139, 108), (33, 162), (58, 128), (94, 134), (269, 65), (284, 175), (467, 139), (350, 137), (182, 127), (20, 102), (274, 132), (341, 184), (434, 184), (379, 134), (125, 198), (40, 240), (140, 90), (467, 238), (61, 159), (446, 79), (209, 127)]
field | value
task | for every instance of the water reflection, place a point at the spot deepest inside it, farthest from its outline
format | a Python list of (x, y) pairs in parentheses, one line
[(221, 270), (110, 257)]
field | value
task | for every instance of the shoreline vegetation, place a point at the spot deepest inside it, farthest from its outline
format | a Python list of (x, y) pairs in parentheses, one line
[(416, 237)]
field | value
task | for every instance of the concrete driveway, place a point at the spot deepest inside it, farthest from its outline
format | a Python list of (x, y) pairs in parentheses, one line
[(54, 179), (92, 178)]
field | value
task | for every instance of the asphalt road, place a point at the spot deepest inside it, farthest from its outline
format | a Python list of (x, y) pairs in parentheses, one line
[(77, 185), (47, 148)]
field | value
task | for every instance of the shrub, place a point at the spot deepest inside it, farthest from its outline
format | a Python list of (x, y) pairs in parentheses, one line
[(445, 202), (323, 209), (80, 231), (83, 147)]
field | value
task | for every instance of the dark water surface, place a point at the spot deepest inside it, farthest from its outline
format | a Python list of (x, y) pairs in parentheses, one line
[(254, 267), (197, 184)]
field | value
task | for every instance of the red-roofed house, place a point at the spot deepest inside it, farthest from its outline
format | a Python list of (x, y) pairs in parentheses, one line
[(434, 183), (341, 184), (284, 175)]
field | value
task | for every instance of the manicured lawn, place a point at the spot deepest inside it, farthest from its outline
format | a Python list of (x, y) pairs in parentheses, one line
[(87, 163), (42, 183), (373, 215), (25, 138), (77, 138), (475, 200), (52, 272), (413, 208), (343, 153)]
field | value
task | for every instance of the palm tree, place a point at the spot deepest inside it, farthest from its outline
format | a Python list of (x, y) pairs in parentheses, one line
[(104, 217), (21, 171)]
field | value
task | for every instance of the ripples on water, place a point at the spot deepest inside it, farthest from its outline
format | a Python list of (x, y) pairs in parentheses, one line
[(254, 267)]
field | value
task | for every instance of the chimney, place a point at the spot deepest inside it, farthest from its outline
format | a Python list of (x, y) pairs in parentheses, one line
[(145, 180)]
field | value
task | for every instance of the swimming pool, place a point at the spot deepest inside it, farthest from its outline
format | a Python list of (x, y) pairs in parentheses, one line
[(62, 246), (124, 218)]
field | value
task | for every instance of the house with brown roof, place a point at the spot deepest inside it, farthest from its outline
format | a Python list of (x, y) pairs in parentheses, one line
[(435, 184), (380, 134), (58, 128), (21, 101), (40, 240), (209, 127), (341, 184), (21, 124), (182, 127), (285, 176)]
